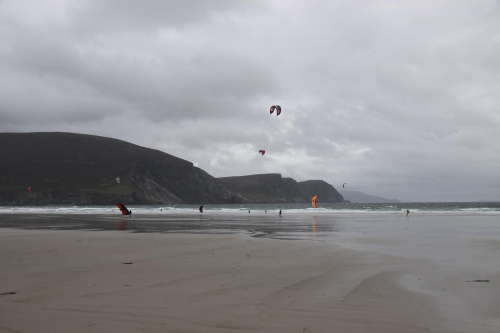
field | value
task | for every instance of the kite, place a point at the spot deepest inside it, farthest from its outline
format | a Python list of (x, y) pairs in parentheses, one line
[(275, 107), (314, 201), (343, 185), (201, 209), (262, 152), (29, 189), (118, 179), (124, 209)]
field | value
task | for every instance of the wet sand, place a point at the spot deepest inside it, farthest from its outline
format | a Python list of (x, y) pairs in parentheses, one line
[(110, 281)]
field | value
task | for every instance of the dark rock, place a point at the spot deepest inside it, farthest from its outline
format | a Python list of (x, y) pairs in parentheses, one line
[(78, 169), (273, 188)]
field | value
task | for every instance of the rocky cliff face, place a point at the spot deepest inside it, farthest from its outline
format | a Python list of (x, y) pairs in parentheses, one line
[(264, 188), (77, 169), (272, 188), (326, 192)]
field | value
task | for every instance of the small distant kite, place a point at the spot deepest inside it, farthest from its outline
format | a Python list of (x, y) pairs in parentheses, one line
[(118, 179), (29, 189), (262, 152), (343, 185), (124, 209), (201, 209), (275, 107), (314, 201)]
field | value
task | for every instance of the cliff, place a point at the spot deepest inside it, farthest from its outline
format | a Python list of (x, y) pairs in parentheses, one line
[(327, 193), (78, 169), (264, 188), (273, 188)]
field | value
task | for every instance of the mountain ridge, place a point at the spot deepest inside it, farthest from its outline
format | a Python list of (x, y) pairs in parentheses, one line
[(273, 188), (80, 169)]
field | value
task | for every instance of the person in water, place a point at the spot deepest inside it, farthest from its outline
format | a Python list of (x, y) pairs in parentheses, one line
[(280, 212), (407, 212)]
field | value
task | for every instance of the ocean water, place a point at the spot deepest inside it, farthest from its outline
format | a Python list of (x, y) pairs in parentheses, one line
[(298, 221), (446, 208)]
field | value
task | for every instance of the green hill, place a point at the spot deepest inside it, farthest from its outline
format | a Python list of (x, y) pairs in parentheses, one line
[(79, 169), (326, 192), (273, 188)]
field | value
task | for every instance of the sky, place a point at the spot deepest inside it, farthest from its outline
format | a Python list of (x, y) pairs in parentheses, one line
[(399, 99)]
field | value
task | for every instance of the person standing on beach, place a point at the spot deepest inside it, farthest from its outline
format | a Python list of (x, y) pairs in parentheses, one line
[(280, 212), (407, 212)]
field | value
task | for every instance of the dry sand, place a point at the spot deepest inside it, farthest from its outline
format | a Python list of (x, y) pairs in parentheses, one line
[(109, 281)]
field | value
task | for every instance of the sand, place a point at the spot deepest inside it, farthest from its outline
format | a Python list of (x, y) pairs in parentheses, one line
[(112, 281)]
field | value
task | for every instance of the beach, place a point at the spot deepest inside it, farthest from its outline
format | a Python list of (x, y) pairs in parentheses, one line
[(112, 280)]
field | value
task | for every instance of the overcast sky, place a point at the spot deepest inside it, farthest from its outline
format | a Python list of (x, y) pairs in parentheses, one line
[(399, 99)]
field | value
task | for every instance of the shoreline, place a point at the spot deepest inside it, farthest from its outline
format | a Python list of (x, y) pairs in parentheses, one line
[(96, 281)]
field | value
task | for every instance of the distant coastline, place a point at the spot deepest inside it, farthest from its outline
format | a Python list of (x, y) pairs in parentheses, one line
[(57, 168)]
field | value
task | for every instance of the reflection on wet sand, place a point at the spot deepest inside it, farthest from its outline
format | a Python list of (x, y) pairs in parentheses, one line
[(265, 225), (122, 225)]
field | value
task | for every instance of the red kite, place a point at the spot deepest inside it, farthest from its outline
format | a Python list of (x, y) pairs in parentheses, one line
[(124, 209), (275, 107)]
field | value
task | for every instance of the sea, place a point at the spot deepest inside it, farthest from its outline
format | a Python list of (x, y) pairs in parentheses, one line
[(297, 221), (446, 208)]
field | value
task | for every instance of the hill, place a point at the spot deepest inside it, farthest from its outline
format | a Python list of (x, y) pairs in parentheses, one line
[(326, 192), (273, 188), (79, 169)]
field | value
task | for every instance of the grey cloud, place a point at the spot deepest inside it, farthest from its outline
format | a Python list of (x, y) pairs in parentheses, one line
[(147, 15), (397, 99)]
